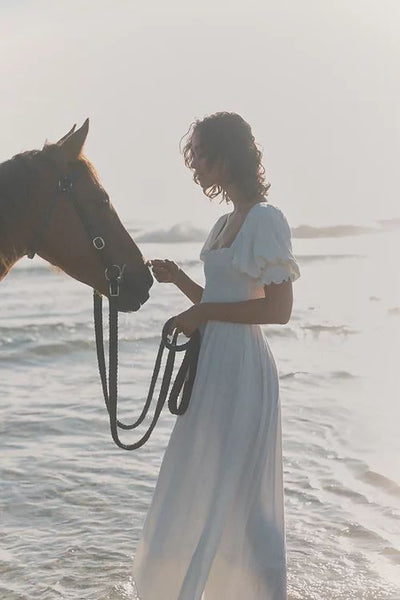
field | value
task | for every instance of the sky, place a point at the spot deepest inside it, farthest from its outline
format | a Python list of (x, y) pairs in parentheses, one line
[(318, 81)]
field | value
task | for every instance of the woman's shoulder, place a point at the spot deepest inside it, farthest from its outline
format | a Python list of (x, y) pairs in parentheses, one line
[(267, 215), (267, 209), (263, 249)]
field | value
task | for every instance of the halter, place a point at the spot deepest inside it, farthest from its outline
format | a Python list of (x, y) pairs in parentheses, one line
[(114, 274)]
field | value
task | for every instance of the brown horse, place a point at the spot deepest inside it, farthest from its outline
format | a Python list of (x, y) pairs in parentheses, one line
[(52, 204)]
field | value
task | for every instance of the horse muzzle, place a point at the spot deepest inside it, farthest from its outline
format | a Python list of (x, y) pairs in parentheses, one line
[(124, 290)]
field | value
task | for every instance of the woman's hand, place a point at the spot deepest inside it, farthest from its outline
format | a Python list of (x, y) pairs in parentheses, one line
[(165, 271), (187, 322)]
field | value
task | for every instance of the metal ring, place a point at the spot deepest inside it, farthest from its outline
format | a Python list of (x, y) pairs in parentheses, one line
[(98, 243), (65, 184), (117, 276)]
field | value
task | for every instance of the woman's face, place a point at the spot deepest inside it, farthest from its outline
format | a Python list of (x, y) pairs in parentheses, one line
[(207, 175)]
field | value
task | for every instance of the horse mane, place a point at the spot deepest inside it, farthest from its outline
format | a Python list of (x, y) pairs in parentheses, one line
[(17, 173), (14, 175)]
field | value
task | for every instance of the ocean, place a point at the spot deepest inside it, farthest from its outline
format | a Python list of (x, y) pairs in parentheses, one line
[(73, 504)]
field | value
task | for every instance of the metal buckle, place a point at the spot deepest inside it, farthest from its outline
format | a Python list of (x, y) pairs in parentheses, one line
[(114, 289), (65, 184), (98, 243), (114, 278)]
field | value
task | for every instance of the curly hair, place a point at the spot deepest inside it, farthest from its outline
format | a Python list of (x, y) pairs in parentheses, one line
[(227, 136)]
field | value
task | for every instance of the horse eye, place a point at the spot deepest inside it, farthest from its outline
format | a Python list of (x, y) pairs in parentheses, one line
[(105, 200)]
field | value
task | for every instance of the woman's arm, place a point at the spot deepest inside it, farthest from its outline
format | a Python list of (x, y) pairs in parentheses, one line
[(275, 308), (190, 288), (167, 271)]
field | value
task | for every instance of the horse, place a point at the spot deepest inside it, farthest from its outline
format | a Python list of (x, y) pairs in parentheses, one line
[(53, 204)]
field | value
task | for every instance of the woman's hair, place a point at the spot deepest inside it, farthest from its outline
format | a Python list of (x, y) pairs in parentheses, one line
[(226, 136)]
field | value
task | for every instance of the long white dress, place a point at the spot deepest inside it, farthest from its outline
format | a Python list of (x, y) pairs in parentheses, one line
[(215, 526)]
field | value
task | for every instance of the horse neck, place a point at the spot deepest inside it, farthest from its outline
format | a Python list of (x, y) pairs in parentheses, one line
[(12, 242), (15, 221)]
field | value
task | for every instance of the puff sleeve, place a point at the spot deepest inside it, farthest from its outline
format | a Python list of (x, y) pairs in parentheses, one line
[(264, 249)]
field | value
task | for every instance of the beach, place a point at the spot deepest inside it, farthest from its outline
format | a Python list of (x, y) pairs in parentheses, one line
[(73, 504)]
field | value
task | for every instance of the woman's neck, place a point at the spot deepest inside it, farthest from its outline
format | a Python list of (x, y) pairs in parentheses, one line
[(240, 203)]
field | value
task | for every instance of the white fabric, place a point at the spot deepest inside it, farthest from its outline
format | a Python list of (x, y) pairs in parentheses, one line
[(215, 527), (262, 247)]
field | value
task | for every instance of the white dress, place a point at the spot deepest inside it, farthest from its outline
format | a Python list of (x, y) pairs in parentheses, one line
[(215, 527)]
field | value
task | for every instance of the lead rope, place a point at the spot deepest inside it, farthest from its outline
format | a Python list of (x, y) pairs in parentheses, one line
[(114, 275), (184, 378)]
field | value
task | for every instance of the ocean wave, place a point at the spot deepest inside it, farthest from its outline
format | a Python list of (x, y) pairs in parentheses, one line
[(309, 231), (340, 489), (306, 374), (335, 329), (45, 269), (31, 268), (187, 262), (294, 374), (310, 258), (17, 344), (34, 331), (377, 480), (186, 232), (357, 531), (342, 375), (393, 223), (46, 349), (180, 232)]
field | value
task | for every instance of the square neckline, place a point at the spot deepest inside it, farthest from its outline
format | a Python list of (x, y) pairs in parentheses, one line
[(237, 234)]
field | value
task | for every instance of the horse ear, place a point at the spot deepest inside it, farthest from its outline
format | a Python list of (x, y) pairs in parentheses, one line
[(61, 140), (73, 144)]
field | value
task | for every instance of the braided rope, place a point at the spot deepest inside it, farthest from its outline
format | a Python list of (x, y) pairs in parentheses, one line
[(184, 379)]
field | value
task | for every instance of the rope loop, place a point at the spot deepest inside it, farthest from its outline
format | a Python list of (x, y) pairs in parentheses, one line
[(183, 381)]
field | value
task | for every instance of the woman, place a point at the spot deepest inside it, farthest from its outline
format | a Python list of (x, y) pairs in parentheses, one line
[(215, 527)]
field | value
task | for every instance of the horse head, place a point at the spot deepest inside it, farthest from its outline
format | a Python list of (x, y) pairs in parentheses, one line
[(52, 203)]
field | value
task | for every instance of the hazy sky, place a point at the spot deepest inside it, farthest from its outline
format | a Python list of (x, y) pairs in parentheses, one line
[(318, 80)]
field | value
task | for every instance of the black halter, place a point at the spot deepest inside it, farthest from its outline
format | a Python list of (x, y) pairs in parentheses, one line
[(114, 275)]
